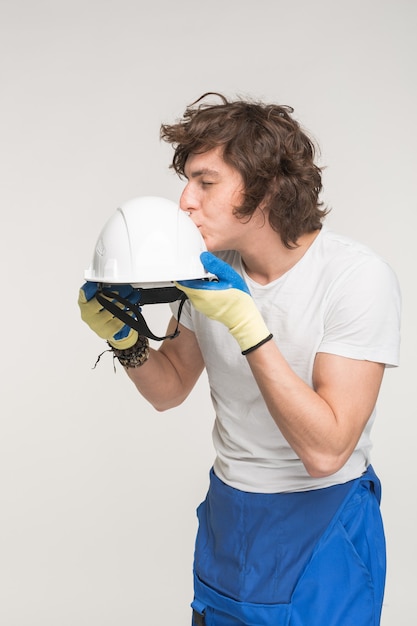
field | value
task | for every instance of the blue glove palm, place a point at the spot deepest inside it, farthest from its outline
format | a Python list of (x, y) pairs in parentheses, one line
[(228, 301)]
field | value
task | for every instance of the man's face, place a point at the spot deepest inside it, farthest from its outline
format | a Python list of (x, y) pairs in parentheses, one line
[(213, 191)]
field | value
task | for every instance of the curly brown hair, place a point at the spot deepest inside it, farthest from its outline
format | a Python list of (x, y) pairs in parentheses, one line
[(274, 156)]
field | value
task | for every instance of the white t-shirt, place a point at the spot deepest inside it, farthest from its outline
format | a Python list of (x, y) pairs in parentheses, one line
[(340, 298)]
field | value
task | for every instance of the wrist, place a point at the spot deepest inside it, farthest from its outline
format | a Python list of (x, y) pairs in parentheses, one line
[(258, 345), (135, 356)]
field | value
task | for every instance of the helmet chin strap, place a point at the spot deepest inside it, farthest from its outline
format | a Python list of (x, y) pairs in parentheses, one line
[(131, 314)]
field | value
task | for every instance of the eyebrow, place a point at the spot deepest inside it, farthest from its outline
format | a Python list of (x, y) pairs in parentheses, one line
[(205, 171)]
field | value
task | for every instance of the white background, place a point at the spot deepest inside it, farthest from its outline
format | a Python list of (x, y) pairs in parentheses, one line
[(97, 490)]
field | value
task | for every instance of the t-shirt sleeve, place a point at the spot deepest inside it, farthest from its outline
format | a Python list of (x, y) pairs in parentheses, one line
[(362, 314)]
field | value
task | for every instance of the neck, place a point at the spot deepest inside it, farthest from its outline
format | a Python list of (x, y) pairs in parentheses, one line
[(267, 258)]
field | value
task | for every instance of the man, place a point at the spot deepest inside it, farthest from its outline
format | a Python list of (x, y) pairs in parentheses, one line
[(295, 336)]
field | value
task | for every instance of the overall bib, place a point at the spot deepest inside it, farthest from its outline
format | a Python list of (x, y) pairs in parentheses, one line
[(313, 558)]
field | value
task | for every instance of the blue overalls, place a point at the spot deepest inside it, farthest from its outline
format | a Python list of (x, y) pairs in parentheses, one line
[(313, 558)]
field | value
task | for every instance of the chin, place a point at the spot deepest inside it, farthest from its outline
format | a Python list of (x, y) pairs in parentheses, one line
[(212, 246)]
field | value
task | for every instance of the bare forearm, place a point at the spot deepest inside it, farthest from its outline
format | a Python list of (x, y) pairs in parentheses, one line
[(321, 426), (158, 382), (170, 373), (304, 419)]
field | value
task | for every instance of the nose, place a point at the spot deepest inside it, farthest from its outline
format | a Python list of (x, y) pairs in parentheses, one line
[(187, 200)]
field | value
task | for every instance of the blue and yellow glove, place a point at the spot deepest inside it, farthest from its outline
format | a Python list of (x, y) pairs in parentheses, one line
[(228, 301), (101, 321)]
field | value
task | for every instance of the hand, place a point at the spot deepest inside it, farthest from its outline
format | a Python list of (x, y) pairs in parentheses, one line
[(101, 321), (228, 301)]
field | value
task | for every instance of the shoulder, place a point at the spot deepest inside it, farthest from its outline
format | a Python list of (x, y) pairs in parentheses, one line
[(344, 259), (341, 247)]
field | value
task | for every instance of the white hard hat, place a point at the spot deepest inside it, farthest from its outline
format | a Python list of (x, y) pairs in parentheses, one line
[(149, 241)]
